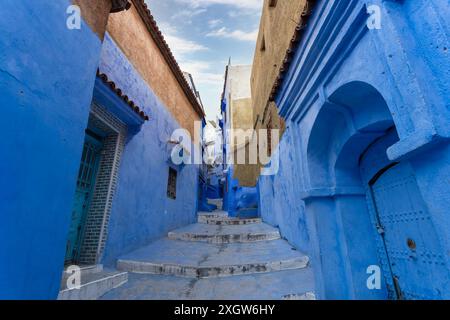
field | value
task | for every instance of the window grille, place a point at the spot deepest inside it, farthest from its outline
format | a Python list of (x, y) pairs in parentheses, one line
[(172, 184)]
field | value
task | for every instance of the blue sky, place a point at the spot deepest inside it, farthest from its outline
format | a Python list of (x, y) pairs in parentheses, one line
[(204, 34)]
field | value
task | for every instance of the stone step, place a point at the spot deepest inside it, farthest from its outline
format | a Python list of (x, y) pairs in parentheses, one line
[(93, 285), (230, 221), (303, 296), (225, 233), (204, 260), (259, 286), (247, 213), (84, 270), (203, 216), (216, 202)]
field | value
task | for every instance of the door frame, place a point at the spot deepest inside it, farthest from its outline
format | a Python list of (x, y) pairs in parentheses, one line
[(396, 291), (90, 137)]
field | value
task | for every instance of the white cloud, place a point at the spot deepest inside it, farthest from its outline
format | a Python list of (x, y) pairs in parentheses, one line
[(181, 46), (178, 45), (200, 71), (214, 23), (177, 18), (241, 14), (243, 4), (234, 34), (208, 78), (188, 13), (181, 49)]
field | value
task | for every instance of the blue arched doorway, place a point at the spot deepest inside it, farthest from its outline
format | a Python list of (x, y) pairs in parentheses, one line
[(349, 173), (412, 258)]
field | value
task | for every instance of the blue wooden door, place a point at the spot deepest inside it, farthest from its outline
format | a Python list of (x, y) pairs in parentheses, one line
[(416, 260), (85, 186)]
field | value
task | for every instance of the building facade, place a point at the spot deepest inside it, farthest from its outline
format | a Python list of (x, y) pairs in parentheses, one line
[(211, 170), (110, 93), (278, 22), (240, 190), (364, 164), (213, 157)]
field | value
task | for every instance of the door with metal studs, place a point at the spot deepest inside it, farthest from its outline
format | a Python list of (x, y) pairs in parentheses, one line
[(415, 257)]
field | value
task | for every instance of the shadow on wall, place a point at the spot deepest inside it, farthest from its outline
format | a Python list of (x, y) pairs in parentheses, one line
[(240, 201)]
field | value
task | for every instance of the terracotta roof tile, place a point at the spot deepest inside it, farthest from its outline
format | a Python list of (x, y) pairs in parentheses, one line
[(120, 94), (157, 35)]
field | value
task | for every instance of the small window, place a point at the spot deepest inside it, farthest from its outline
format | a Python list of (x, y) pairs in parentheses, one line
[(263, 44), (172, 184), (272, 3)]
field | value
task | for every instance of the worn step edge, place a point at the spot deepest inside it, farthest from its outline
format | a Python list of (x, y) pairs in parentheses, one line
[(225, 238), (146, 267), (217, 213), (304, 296), (203, 217), (85, 270), (230, 221), (94, 289)]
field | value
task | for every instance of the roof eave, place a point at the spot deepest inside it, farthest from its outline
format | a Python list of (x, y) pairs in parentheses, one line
[(294, 44)]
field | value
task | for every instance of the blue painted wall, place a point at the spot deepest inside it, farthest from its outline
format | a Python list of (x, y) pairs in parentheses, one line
[(47, 78), (47, 75), (347, 87), (214, 188), (203, 204), (141, 210), (240, 201), (279, 203)]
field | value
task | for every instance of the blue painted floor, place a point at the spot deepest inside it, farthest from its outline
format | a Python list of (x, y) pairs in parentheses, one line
[(262, 286), (214, 255), (250, 269), (201, 228)]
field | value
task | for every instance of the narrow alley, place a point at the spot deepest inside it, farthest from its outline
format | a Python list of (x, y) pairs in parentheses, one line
[(219, 258), (224, 150)]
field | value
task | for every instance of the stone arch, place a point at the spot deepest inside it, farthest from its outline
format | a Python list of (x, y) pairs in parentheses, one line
[(351, 119)]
